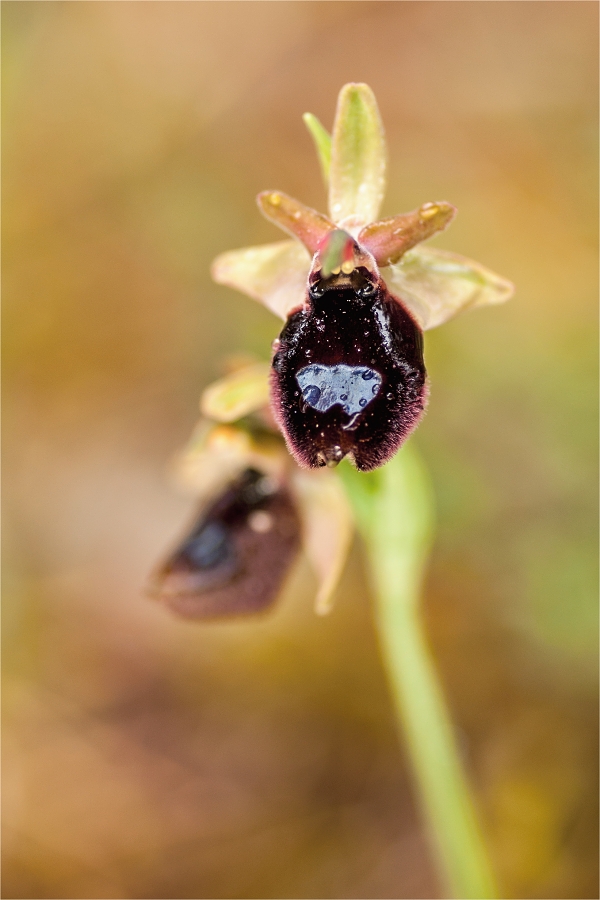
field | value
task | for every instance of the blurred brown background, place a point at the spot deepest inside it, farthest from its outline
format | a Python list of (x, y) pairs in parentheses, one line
[(147, 757)]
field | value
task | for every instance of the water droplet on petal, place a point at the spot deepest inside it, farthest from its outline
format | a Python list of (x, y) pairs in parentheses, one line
[(311, 394)]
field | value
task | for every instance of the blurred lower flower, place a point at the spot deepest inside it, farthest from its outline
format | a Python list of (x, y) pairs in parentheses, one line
[(257, 509)]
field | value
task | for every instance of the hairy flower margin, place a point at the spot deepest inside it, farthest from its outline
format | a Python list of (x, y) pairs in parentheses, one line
[(256, 504)]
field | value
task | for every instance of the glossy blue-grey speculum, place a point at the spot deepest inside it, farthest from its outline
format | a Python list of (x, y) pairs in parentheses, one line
[(208, 547), (352, 387)]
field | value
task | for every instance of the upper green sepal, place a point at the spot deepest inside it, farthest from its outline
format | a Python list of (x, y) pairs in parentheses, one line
[(358, 158)]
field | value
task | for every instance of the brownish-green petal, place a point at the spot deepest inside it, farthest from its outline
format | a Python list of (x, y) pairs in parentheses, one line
[(237, 395), (389, 239), (358, 157), (322, 140), (273, 274), (327, 530), (300, 221), (436, 285)]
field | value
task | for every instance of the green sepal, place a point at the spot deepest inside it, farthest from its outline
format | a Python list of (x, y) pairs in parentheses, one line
[(436, 284), (358, 157)]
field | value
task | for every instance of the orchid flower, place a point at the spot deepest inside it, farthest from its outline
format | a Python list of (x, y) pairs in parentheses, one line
[(348, 376)]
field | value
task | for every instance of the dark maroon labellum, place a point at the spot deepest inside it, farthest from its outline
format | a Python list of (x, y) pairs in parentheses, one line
[(234, 559), (348, 376)]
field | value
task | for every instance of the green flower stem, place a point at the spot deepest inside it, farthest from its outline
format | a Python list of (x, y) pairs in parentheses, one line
[(393, 508)]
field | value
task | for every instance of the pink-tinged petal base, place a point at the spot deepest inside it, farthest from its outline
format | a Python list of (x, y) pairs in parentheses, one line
[(302, 222)]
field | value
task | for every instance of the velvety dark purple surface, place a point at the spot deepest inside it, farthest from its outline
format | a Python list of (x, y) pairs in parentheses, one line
[(341, 327)]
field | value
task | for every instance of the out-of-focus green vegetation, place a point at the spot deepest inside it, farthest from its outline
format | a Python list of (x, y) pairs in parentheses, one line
[(147, 757)]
